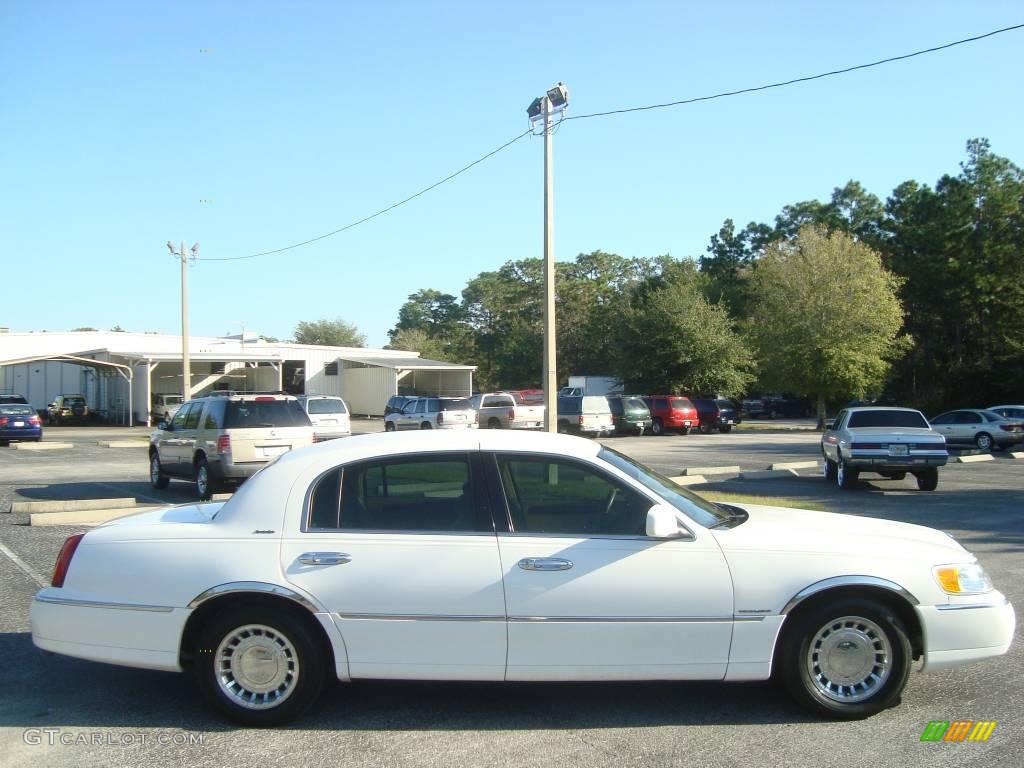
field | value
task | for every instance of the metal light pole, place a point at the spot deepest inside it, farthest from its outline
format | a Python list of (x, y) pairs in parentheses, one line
[(186, 366), (544, 109)]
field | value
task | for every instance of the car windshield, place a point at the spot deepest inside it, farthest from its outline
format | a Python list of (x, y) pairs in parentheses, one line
[(887, 419), (699, 510), (326, 405), (265, 413)]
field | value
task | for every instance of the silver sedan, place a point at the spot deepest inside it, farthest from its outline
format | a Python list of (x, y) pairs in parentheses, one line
[(983, 428)]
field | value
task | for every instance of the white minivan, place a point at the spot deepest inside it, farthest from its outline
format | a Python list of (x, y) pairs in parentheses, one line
[(329, 414)]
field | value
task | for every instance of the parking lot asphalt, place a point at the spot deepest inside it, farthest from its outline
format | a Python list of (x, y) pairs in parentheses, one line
[(62, 712)]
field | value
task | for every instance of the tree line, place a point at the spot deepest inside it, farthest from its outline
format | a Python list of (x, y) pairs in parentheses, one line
[(919, 298)]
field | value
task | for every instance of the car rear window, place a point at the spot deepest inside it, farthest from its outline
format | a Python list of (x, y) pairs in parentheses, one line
[(74, 401), (326, 405), (634, 404), (17, 410), (680, 402), (12, 399), (887, 419), (265, 413), (450, 404)]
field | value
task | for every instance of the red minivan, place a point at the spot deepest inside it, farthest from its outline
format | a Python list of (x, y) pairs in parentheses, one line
[(671, 412)]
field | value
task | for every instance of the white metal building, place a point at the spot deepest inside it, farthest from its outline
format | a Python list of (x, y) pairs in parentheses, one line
[(112, 369)]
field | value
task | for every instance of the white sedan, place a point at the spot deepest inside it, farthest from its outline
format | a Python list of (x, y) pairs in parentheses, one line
[(499, 555)]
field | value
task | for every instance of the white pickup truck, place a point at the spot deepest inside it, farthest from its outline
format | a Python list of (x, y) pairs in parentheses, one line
[(506, 410), (889, 441)]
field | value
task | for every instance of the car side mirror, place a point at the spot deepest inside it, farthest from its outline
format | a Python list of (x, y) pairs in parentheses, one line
[(662, 522), (165, 425)]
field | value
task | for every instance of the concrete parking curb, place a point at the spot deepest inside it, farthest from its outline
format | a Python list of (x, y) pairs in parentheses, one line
[(688, 479), (40, 446), (85, 516), (72, 505), (734, 470), (1015, 454), (123, 443), (794, 465), (769, 474), (973, 459)]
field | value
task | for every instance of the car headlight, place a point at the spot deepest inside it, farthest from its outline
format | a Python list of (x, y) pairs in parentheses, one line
[(963, 579)]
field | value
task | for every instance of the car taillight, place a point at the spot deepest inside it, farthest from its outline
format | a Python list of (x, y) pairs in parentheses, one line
[(34, 421), (60, 570), (224, 444), (581, 421), (3, 421), (1005, 427), (440, 418), (511, 414), (264, 399)]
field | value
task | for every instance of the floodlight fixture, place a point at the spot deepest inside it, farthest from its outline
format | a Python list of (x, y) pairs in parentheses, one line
[(559, 96), (534, 111), (195, 250), (170, 247)]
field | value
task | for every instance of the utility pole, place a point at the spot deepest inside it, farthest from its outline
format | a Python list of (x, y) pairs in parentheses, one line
[(186, 367), (543, 109)]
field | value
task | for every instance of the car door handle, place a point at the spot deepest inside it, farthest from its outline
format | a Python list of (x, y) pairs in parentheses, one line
[(545, 564), (324, 558)]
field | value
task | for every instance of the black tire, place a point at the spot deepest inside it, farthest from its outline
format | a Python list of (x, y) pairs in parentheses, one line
[(657, 428), (829, 469), (281, 650), (928, 480), (725, 429), (846, 659), (494, 423), (704, 429), (984, 442), (426, 425), (157, 478), (204, 486), (389, 426), (846, 478)]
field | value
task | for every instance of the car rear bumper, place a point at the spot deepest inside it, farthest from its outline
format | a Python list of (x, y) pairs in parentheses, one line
[(21, 434), (885, 462), (326, 433), (133, 636), (957, 634)]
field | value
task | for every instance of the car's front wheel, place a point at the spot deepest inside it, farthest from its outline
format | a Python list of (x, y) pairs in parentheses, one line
[(389, 426), (984, 441), (259, 666), (829, 468), (847, 659), (157, 478), (657, 428)]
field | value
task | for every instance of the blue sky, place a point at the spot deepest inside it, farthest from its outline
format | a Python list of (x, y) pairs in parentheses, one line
[(305, 116)]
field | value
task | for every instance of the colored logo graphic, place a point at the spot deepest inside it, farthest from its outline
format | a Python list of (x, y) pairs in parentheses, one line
[(958, 730)]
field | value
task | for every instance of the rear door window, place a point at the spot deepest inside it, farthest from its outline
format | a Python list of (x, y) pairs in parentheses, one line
[(265, 413), (326, 405)]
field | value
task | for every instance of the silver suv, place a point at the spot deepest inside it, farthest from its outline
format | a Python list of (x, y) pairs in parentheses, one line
[(226, 437)]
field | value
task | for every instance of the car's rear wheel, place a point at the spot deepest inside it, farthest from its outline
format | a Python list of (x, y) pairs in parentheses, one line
[(846, 478), (847, 659), (157, 478), (704, 429), (984, 441), (426, 425), (928, 480), (259, 666), (204, 489), (389, 426)]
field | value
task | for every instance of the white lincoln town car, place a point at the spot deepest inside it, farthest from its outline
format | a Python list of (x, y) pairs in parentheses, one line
[(499, 555)]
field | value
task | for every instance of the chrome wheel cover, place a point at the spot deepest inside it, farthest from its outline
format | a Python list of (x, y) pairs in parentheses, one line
[(256, 667), (154, 469), (849, 660), (202, 479), (840, 472)]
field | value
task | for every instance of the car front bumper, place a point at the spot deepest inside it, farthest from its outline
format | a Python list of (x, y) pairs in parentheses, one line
[(956, 634)]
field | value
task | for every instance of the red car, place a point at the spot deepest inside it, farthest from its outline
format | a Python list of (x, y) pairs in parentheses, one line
[(671, 412)]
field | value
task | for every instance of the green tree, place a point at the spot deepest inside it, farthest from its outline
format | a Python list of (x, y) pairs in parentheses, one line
[(826, 317), (672, 339), (329, 333), (84, 328), (416, 340)]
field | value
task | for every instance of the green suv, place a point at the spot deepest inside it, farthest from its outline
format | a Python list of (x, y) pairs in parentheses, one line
[(630, 414)]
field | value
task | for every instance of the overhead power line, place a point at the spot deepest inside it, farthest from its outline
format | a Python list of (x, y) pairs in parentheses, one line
[(795, 80), (680, 102)]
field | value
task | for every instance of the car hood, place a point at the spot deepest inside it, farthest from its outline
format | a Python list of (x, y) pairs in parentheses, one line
[(785, 530)]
